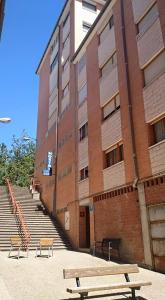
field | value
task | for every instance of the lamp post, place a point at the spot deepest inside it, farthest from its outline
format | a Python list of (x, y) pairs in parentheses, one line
[(5, 120)]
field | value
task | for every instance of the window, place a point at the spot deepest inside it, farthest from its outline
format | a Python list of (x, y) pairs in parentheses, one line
[(66, 90), (148, 19), (66, 19), (82, 63), (156, 67), (89, 5), (66, 40), (114, 156), (52, 66), (111, 22), (111, 107), (65, 66), (82, 94), (158, 131), (83, 131), (84, 173), (105, 31), (109, 66), (86, 26), (54, 44)]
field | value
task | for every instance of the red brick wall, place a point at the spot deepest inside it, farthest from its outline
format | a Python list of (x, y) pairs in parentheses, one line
[(73, 232), (119, 217), (155, 194), (66, 154)]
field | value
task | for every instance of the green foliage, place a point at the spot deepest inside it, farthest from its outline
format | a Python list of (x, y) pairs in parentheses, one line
[(18, 163)]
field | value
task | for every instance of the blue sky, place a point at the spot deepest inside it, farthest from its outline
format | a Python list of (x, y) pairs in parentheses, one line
[(26, 30)]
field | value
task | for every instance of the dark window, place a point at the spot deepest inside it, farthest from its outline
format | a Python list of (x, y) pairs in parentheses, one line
[(114, 156), (84, 173), (89, 5), (159, 131), (83, 131), (82, 63), (54, 44), (66, 64), (66, 19), (66, 40), (54, 63), (111, 107), (111, 22), (109, 65), (86, 26), (66, 90), (121, 153), (105, 31)]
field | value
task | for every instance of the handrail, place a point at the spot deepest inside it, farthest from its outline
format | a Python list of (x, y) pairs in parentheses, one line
[(17, 210)]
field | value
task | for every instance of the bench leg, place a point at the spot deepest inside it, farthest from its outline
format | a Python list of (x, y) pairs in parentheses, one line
[(133, 294), (83, 295), (10, 251)]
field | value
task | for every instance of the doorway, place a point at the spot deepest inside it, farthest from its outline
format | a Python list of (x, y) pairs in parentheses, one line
[(84, 227)]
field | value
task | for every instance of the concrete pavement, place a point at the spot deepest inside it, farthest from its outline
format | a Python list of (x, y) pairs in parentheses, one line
[(42, 278)]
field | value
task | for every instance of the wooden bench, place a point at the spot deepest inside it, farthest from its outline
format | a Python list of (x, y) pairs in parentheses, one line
[(45, 243), (15, 244), (104, 271), (105, 246)]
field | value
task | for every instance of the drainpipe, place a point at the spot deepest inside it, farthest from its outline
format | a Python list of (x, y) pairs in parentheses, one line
[(140, 186)]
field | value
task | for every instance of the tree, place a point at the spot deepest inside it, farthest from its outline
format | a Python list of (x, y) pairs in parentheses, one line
[(3, 162), (17, 163)]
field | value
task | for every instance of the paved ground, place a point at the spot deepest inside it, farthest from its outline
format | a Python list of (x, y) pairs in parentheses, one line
[(42, 278)]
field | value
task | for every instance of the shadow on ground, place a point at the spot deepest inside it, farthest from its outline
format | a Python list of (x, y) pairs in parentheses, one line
[(123, 295)]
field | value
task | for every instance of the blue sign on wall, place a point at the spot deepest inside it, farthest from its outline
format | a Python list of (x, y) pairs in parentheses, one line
[(48, 170), (49, 160)]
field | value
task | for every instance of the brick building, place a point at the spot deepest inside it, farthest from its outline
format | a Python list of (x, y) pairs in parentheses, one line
[(2, 6), (101, 125)]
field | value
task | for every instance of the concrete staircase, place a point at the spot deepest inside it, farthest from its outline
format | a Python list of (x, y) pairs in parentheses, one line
[(8, 226), (39, 224)]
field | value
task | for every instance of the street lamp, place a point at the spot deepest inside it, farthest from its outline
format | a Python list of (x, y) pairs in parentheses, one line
[(5, 120)]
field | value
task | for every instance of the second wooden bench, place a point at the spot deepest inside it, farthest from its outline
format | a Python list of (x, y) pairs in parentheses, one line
[(104, 271)]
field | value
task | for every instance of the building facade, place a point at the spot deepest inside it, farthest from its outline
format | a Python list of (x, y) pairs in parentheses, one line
[(2, 7), (102, 117)]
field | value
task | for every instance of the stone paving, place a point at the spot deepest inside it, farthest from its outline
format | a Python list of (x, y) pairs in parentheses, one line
[(42, 278)]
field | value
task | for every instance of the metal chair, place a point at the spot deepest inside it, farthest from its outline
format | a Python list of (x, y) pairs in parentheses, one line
[(16, 243), (45, 243)]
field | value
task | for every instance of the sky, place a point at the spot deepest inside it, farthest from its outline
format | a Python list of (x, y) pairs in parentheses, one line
[(27, 27)]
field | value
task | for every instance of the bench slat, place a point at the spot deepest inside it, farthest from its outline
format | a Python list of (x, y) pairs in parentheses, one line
[(133, 284), (100, 271)]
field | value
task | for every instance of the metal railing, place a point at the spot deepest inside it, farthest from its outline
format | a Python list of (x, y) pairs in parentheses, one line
[(18, 212)]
